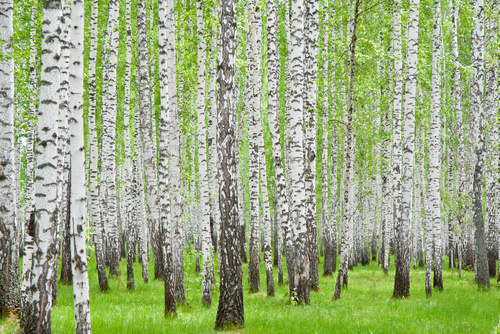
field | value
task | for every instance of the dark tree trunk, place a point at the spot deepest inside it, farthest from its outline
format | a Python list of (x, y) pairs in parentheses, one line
[(230, 311)]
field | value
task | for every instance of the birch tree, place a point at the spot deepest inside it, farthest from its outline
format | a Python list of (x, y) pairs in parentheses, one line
[(254, 86), (168, 103), (108, 163), (477, 90), (78, 198), (403, 232), (281, 205), (94, 212), (204, 204), (434, 197), (342, 276), (230, 311), (9, 256), (491, 109), (37, 314)]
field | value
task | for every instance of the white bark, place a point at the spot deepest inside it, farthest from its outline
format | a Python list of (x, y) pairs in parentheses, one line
[(204, 204), (78, 198), (9, 256), (37, 314), (254, 98), (168, 103), (435, 149)]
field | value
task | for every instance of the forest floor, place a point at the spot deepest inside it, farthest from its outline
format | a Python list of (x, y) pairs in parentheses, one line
[(365, 307)]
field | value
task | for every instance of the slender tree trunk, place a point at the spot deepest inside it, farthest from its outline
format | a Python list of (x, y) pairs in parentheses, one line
[(299, 273), (108, 162), (403, 231), (93, 208), (168, 103), (342, 277), (66, 271), (78, 209), (491, 109), (230, 310), (9, 256), (280, 205), (265, 207), (37, 313), (311, 32), (435, 150), (477, 88), (204, 205), (254, 89)]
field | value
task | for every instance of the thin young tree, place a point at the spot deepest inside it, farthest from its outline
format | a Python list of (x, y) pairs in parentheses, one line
[(9, 256), (94, 212), (476, 94), (281, 205), (230, 311), (403, 232), (342, 276), (168, 102), (78, 196), (204, 203), (434, 197), (254, 91)]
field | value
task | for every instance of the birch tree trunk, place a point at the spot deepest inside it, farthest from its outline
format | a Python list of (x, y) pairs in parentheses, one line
[(204, 205), (175, 162), (491, 109), (254, 86), (280, 205), (93, 208), (168, 103), (311, 32), (435, 150), (36, 316), (396, 219), (230, 310), (9, 256), (476, 95), (268, 260), (342, 277), (146, 134), (299, 274), (78, 198), (108, 162), (403, 231), (29, 196)]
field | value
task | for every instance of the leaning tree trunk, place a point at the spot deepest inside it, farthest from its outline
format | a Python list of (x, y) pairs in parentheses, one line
[(36, 316), (78, 209), (477, 87), (230, 310), (403, 232), (342, 276), (9, 256)]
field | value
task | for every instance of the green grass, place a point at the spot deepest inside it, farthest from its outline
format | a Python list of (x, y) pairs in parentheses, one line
[(366, 307)]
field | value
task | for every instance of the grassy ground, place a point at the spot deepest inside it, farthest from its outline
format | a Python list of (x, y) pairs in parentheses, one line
[(366, 307)]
